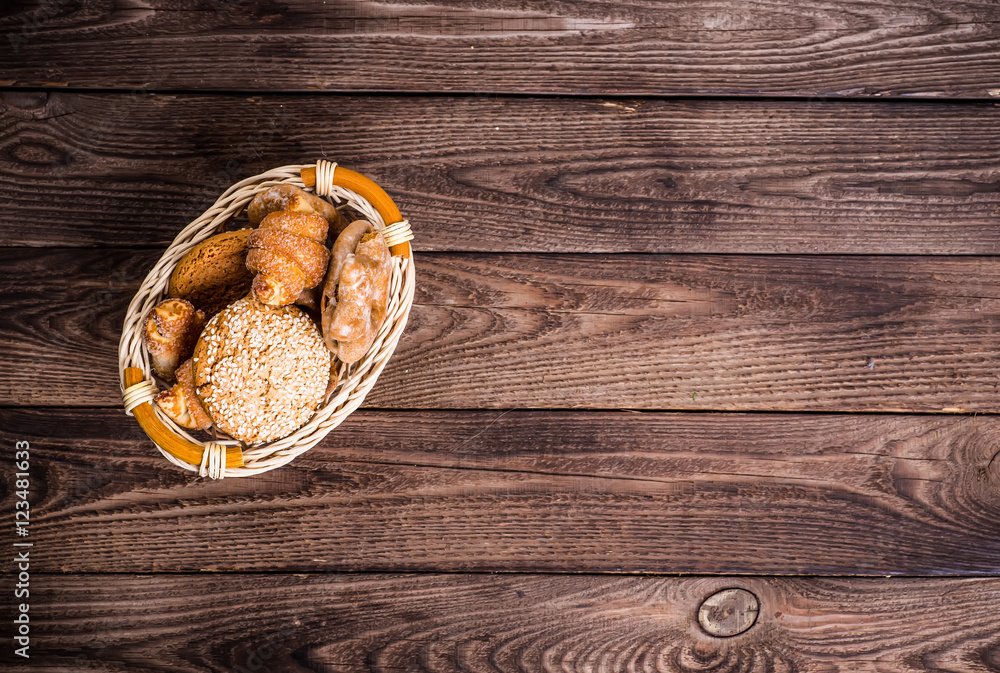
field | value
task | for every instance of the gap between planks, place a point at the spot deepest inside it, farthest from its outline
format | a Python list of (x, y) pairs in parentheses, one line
[(989, 100)]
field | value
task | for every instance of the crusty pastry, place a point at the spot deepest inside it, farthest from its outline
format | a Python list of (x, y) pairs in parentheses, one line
[(181, 403), (356, 291), (260, 372), (170, 331), (290, 197), (288, 254), (214, 273), (342, 247)]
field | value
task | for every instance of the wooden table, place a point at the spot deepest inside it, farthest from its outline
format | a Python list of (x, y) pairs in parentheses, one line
[(707, 299)]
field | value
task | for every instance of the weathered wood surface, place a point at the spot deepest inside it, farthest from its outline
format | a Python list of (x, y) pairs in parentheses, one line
[(522, 175), (642, 234), (341, 624), (896, 47), (531, 491), (706, 332)]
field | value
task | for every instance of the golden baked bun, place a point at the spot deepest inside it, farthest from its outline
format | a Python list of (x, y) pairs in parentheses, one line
[(290, 197), (170, 333), (288, 254), (214, 273), (181, 401), (260, 372)]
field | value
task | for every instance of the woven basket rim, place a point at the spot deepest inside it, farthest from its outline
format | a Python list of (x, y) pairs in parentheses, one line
[(356, 380)]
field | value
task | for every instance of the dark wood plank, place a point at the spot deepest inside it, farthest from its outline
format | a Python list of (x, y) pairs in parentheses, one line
[(818, 47), (530, 491), (504, 623), (707, 332), (532, 175)]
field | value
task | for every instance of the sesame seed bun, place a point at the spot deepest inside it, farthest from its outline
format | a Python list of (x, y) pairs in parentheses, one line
[(260, 372)]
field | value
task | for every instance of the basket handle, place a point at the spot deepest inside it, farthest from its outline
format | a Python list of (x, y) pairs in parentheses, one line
[(177, 447), (367, 188)]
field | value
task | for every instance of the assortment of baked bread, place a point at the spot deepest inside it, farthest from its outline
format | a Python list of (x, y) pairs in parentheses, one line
[(256, 319)]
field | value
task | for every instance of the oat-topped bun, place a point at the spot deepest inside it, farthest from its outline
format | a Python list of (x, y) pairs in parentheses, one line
[(261, 372)]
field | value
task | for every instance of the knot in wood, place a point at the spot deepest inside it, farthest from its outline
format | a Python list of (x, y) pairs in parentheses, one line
[(729, 612)]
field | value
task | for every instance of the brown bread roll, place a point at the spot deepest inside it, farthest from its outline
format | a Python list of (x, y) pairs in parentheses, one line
[(214, 273)]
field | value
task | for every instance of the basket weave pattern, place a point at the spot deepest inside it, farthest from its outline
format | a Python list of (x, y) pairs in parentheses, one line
[(355, 380)]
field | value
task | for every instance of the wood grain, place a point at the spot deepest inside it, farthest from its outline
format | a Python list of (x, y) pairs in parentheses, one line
[(697, 332), (700, 332), (530, 491), (818, 47), (607, 220), (505, 623), (521, 175)]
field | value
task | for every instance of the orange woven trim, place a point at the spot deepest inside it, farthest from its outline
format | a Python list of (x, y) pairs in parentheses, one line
[(370, 191), (177, 447)]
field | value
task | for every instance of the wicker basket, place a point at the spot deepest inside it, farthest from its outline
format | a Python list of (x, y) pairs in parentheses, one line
[(225, 457)]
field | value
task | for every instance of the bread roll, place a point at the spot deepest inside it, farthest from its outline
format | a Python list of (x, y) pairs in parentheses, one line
[(260, 372), (181, 401), (356, 291), (170, 332), (290, 197), (288, 255), (214, 273)]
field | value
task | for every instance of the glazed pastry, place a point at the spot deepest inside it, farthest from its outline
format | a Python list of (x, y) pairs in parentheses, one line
[(170, 333), (260, 372), (214, 273), (342, 247), (181, 402), (288, 255), (356, 291), (290, 197)]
